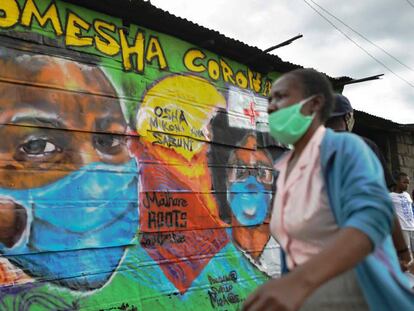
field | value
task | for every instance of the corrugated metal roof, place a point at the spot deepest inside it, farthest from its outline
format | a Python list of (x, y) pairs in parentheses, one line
[(381, 123), (369, 115), (144, 14)]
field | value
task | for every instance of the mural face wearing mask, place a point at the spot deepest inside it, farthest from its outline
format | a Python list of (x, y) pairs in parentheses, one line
[(247, 197), (57, 159), (249, 184)]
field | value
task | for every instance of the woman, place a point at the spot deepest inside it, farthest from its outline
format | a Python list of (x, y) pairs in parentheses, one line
[(332, 214)]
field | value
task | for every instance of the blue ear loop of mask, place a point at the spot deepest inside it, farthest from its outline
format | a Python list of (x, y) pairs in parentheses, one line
[(80, 223), (249, 201)]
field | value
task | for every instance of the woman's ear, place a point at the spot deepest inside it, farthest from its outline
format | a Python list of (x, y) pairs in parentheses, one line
[(318, 101)]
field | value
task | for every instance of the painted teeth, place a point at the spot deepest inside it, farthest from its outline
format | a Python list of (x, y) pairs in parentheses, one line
[(250, 211)]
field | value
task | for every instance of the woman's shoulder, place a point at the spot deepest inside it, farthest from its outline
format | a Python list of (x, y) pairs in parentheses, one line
[(342, 137), (343, 142)]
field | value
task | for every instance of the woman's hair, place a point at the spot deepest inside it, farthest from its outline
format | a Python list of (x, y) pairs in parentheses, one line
[(314, 82)]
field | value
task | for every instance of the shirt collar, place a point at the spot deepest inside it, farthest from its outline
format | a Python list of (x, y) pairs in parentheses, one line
[(311, 147)]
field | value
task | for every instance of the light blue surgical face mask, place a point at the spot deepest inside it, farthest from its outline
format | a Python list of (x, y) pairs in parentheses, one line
[(249, 201), (77, 227)]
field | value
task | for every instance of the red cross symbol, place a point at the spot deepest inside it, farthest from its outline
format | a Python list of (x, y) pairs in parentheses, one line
[(250, 112)]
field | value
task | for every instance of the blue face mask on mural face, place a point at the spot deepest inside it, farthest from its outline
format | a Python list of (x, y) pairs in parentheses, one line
[(249, 201), (77, 227)]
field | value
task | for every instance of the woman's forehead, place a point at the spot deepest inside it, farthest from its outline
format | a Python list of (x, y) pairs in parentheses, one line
[(286, 82)]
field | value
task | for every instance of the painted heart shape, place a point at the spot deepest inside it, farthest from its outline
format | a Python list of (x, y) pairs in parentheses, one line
[(179, 228)]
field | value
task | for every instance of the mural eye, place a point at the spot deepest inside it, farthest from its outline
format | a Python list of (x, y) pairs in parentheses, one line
[(108, 143), (264, 175), (261, 172), (242, 173), (38, 147)]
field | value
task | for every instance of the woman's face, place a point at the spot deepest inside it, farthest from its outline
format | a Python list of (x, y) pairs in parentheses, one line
[(288, 91), (285, 92)]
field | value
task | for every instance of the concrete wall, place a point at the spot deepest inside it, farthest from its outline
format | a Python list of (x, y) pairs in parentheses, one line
[(405, 150), (136, 170)]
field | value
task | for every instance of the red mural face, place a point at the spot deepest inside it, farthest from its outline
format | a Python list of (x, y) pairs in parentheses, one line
[(50, 131)]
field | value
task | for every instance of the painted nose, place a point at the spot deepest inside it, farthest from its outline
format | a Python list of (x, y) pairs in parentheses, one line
[(251, 184), (13, 220)]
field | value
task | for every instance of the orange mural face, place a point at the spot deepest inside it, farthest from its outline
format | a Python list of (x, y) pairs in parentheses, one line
[(65, 153), (40, 136)]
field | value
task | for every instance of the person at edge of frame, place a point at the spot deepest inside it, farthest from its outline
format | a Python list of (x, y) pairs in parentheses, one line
[(336, 235), (342, 120), (403, 205)]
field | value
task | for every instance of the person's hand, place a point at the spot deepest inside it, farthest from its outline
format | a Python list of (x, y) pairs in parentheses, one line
[(285, 294), (405, 259), (410, 267), (290, 292)]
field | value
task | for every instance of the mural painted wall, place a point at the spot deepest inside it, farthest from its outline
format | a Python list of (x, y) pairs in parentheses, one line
[(135, 168)]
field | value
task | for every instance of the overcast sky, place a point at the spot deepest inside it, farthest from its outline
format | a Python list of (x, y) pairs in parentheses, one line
[(387, 23)]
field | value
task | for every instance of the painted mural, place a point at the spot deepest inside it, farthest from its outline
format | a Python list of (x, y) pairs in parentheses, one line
[(135, 169)]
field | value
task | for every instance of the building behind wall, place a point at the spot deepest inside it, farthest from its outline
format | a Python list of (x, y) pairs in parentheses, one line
[(396, 141)]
